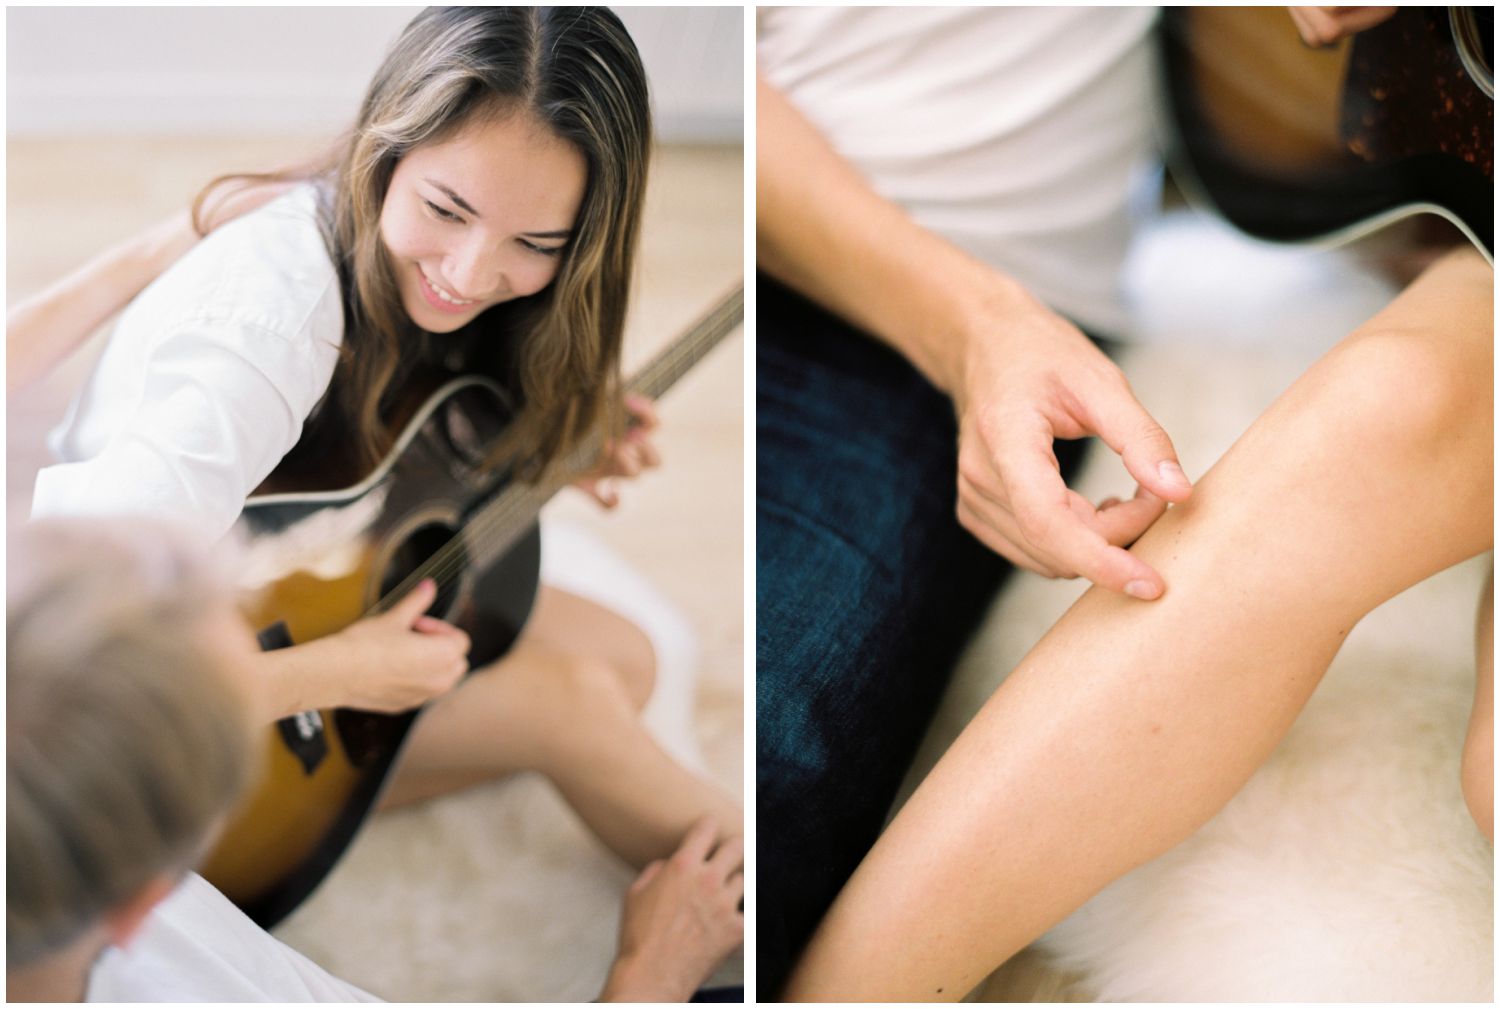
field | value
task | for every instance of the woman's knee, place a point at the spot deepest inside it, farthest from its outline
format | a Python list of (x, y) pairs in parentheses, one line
[(1421, 372), (599, 638), (595, 688), (1411, 391), (591, 710)]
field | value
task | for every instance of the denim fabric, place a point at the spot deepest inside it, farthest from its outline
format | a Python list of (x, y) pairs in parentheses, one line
[(866, 590), (735, 993)]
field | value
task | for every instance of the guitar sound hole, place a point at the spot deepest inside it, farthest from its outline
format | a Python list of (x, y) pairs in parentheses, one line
[(435, 542)]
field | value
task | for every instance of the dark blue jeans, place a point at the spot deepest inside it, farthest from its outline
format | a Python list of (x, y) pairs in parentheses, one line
[(867, 589)]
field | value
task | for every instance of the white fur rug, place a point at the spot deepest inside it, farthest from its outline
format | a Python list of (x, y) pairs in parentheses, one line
[(1348, 869)]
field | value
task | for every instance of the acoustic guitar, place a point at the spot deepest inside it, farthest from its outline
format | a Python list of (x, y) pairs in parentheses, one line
[(319, 561), (1292, 143)]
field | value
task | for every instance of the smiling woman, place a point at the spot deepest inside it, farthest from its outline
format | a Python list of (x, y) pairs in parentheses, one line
[(452, 260), (481, 142)]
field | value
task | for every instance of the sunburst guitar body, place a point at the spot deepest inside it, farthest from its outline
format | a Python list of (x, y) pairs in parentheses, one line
[(318, 561)]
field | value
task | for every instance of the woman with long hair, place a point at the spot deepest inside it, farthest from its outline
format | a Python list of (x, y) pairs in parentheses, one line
[(482, 215)]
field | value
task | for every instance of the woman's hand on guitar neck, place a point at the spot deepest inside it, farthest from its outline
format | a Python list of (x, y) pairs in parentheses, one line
[(628, 457), (391, 662)]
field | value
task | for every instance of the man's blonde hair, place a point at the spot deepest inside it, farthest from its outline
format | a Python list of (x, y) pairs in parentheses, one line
[(126, 738)]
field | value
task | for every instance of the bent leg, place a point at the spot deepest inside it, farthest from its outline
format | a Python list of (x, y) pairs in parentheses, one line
[(1479, 744), (565, 701), (1131, 723)]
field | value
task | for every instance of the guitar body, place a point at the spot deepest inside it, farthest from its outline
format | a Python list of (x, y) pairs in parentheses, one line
[(318, 562), (1291, 143)]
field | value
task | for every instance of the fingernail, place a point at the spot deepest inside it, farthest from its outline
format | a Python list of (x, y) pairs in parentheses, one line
[(1141, 590), (1172, 473)]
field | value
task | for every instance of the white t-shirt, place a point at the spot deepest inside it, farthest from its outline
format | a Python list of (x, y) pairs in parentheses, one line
[(1020, 134), (207, 377), (198, 947)]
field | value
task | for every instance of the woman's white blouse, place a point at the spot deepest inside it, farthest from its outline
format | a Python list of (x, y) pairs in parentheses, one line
[(207, 378)]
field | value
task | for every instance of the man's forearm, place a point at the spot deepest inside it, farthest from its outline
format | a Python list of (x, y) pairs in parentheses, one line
[(44, 328), (823, 231), (301, 678)]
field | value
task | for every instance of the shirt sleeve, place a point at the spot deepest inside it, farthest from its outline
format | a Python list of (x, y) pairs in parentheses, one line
[(217, 412)]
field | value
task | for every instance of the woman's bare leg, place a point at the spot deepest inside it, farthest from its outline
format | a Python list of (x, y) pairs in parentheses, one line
[(1132, 723), (566, 702), (1479, 744)]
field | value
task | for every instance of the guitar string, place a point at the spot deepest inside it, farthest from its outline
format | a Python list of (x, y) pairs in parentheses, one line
[(514, 510)]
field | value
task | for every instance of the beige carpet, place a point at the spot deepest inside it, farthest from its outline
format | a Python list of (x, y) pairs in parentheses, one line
[(497, 894)]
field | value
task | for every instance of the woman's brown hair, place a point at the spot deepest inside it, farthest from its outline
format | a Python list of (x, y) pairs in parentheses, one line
[(573, 69)]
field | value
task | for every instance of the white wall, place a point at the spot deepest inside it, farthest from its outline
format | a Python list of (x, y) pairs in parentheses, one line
[(237, 70)]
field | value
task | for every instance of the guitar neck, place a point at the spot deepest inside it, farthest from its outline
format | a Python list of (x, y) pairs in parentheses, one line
[(499, 524), (679, 357)]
